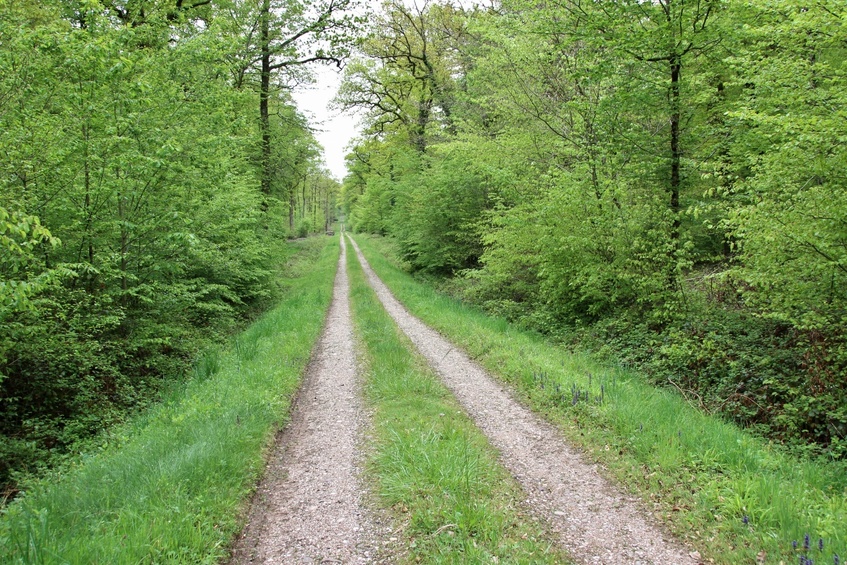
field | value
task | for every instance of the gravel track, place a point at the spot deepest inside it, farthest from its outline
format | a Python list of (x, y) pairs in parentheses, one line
[(310, 506), (596, 522)]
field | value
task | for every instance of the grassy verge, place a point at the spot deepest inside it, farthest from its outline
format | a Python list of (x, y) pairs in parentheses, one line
[(430, 463), (735, 497), (169, 486)]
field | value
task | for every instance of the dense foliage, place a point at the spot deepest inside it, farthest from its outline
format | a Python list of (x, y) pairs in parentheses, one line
[(663, 179), (142, 196)]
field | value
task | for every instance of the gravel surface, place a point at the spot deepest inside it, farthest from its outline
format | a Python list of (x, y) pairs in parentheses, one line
[(310, 506), (596, 522)]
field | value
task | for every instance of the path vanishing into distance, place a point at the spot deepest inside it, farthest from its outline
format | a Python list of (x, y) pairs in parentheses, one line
[(309, 507), (312, 505)]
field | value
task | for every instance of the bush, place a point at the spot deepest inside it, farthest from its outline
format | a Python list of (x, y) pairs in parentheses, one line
[(777, 380), (304, 227)]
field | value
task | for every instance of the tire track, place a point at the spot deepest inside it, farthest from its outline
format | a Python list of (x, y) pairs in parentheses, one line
[(596, 523), (309, 507)]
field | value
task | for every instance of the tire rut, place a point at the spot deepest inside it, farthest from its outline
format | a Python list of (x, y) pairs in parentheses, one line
[(596, 523), (310, 506)]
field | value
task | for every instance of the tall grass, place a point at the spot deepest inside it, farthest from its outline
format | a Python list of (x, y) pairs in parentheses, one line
[(734, 496), (430, 463), (169, 487)]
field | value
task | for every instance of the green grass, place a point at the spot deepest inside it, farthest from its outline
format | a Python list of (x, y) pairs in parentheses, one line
[(701, 475), (429, 463), (170, 486)]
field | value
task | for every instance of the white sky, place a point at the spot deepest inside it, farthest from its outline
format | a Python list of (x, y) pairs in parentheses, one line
[(333, 130)]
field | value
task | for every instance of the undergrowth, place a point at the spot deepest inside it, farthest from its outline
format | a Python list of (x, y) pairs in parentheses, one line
[(430, 464), (70, 369), (782, 383), (734, 496), (168, 487)]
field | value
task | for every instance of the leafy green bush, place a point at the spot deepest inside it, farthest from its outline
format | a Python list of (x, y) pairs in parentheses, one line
[(758, 372), (304, 227), (779, 381), (438, 210)]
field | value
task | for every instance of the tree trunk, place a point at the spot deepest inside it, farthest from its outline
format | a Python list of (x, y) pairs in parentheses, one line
[(89, 213), (303, 198), (315, 204), (292, 204), (419, 133), (124, 246), (264, 97), (676, 154)]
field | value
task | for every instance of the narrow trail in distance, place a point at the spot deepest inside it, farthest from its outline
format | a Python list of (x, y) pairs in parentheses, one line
[(309, 507), (595, 521)]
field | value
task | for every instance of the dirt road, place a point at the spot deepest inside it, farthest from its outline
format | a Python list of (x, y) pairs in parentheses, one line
[(596, 522), (310, 506)]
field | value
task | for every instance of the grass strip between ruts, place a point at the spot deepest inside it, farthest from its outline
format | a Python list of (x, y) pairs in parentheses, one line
[(429, 463), (735, 497), (173, 490)]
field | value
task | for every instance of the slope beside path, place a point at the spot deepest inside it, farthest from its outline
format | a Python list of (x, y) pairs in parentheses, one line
[(595, 521)]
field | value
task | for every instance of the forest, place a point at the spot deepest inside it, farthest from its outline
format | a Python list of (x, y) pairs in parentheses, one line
[(660, 182), (152, 163), (615, 230)]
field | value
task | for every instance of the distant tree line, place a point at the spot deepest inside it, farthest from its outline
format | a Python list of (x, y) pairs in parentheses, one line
[(664, 181)]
